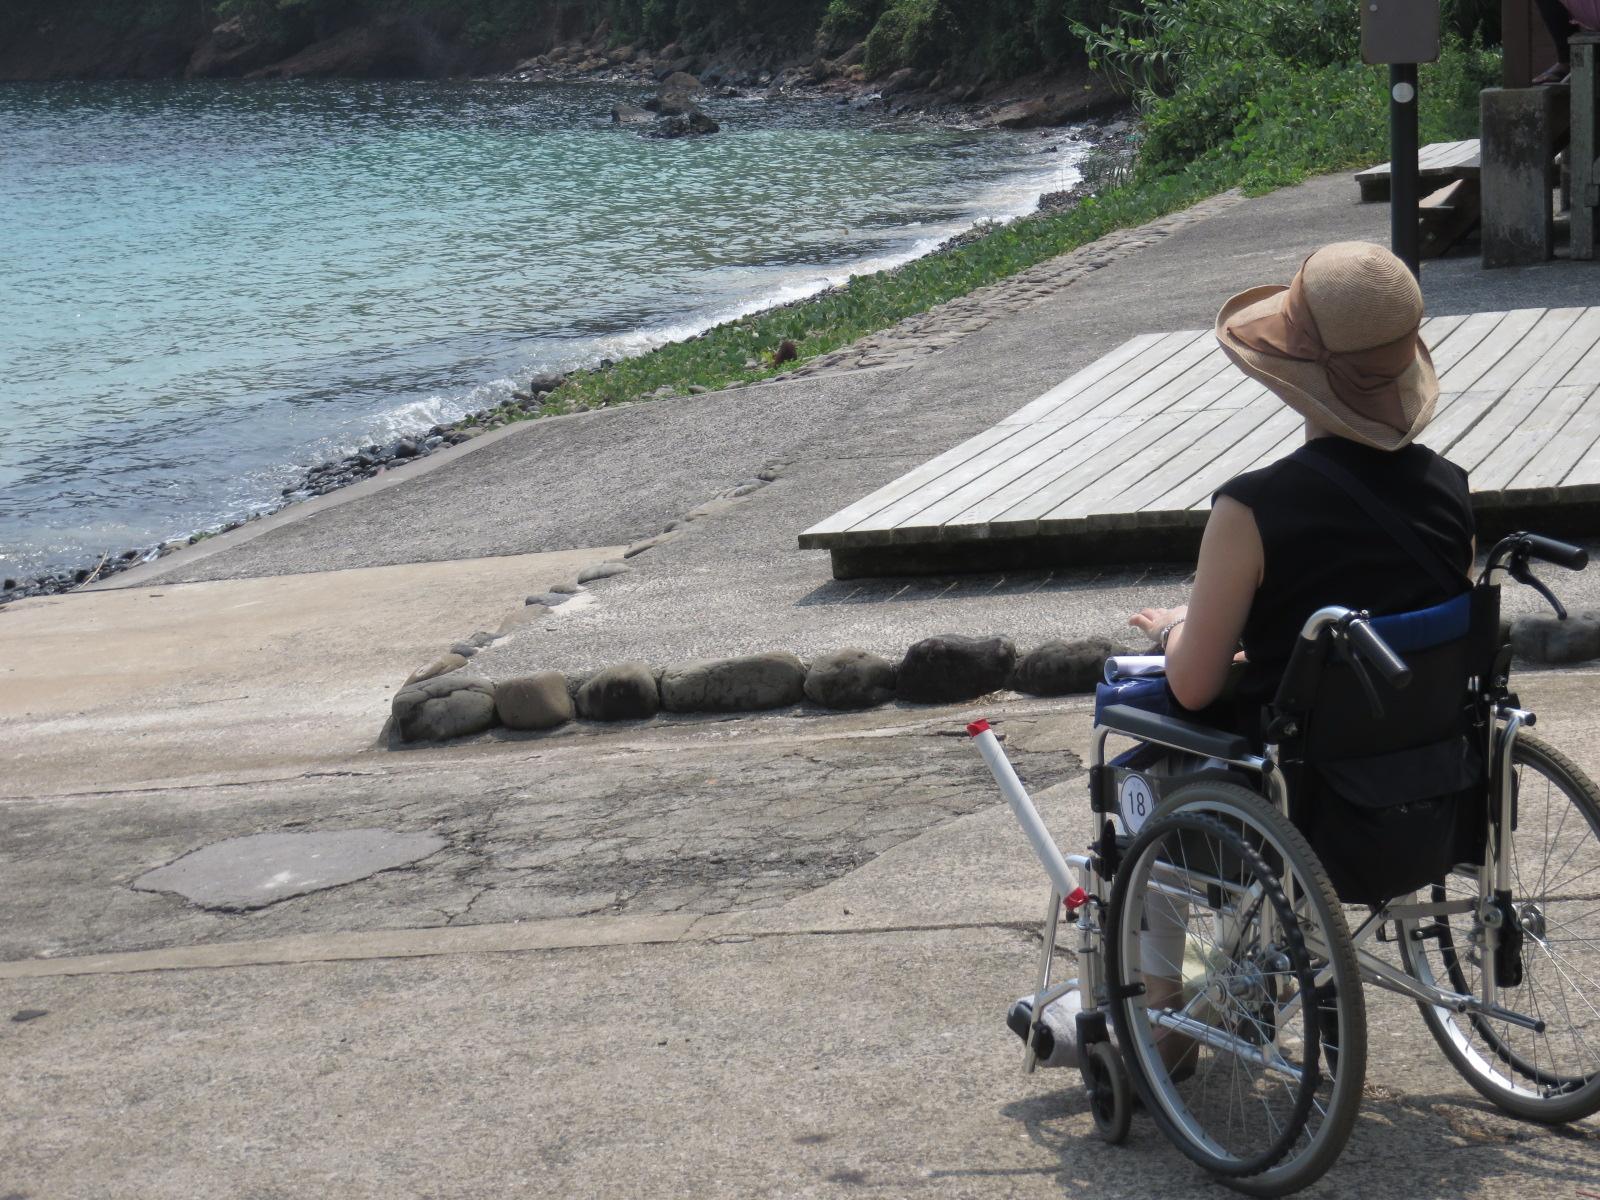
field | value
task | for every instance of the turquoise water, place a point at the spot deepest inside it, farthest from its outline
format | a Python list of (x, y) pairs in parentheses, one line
[(206, 287)]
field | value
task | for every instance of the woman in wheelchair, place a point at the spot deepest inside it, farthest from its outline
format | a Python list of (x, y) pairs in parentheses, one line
[(1320, 769)]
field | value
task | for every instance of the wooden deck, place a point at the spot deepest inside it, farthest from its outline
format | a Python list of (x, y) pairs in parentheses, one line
[(1120, 461), (1437, 164)]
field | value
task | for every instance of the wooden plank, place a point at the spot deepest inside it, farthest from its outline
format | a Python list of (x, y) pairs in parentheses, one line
[(1155, 358), (998, 506), (1131, 383), (1194, 459), (1576, 341), (1277, 435), (1563, 454), (1462, 339), (1093, 373), (1534, 430), (1108, 491), (1057, 491), (863, 509), (956, 500), (1471, 367), (1453, 420), (1208, 380), (905, 510), (1586, 371), (1582, 430)]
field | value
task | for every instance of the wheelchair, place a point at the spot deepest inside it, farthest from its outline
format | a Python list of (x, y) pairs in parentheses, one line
[(1221, 956)]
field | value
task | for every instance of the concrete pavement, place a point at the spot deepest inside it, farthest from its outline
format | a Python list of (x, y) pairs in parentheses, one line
[(756, 957)]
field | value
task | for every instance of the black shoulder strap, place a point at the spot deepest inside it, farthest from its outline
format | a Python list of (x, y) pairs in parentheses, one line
[(1386, 518)]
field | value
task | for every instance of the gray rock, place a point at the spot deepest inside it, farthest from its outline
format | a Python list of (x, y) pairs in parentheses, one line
[(680, 83), (692, 123), (439, 666), (603, 570), (951, 667), (627, 114), (1059, 668), (1547, 640), (747, 684), (537, 701), (624, 692), (446, 706), (649, 543), (850, 678)]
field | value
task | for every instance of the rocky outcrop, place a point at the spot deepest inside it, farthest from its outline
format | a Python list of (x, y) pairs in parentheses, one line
[(748, 684), (952, 667), (1553, 642), (625, 692), (1060, 668), (850, 679), (691, 124), (537, 701), (443, 707)]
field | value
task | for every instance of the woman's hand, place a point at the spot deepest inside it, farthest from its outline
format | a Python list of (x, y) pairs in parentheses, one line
[(1151, 621)]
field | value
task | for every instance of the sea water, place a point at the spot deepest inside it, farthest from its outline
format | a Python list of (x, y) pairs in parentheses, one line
[(206, 287)]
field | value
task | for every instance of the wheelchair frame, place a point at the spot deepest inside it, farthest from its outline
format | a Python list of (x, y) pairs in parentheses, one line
[(1087, 894), (1079, 887)]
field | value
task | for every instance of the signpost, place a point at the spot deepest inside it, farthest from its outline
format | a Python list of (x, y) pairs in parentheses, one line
[(1401, 33)]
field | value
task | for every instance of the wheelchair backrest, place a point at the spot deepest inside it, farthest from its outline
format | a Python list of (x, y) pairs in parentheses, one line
[(1446, 647)]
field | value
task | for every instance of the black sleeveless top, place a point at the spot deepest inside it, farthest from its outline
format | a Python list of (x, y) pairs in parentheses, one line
[(1321, 548)]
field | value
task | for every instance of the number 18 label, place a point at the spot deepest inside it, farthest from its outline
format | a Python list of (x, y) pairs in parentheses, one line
[(1136, 802)]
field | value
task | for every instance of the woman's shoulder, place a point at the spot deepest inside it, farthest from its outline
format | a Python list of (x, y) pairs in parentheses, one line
[(1252, 487)]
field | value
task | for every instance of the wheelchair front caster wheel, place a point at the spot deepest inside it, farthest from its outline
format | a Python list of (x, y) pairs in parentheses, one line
[(1110, 1088)]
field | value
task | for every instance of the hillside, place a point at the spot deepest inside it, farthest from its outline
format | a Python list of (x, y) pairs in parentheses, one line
[(960, 40)]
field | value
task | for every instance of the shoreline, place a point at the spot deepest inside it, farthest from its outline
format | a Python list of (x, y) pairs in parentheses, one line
[(535, 397)]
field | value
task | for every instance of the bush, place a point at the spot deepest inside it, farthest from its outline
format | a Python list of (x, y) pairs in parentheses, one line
[(1274, 86)]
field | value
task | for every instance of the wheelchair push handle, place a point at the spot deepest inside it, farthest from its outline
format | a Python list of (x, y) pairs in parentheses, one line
[(1562, 554), (1375, 652)]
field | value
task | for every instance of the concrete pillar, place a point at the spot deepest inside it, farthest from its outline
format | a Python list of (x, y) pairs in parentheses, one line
[(1585, 148), (1517, 133)]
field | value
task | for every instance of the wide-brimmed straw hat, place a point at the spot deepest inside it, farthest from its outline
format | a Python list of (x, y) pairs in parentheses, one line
[(1340, 344)]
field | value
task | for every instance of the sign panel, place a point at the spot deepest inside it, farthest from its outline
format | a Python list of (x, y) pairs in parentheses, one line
[(1399, 31)]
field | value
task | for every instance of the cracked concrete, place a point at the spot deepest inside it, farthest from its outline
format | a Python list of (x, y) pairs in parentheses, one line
[(653, 821)]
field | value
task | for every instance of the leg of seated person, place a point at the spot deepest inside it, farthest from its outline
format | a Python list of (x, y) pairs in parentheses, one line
[(1162, 943)]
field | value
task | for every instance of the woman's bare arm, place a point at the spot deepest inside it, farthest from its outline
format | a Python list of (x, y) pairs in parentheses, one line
[(1225, 583)]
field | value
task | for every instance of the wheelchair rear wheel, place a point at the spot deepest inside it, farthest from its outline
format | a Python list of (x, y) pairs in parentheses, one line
[(1552, 1076), (1234, 990)]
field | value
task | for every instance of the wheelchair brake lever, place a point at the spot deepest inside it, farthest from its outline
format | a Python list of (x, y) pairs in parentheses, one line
[(1351, 659), (1523, 573)]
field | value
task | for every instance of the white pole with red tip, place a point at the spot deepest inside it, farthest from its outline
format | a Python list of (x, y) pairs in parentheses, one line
[(1044, 846)]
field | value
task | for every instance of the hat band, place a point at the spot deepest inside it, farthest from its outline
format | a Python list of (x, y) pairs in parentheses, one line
[(1367, 381)]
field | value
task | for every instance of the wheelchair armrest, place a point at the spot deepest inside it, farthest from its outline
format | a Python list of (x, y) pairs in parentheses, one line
[(1170, 731)]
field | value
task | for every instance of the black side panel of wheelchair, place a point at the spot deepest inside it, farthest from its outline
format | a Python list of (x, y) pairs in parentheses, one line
[(1170, 731)]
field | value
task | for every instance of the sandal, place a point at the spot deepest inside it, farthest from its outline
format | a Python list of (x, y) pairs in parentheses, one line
[(1552, 75)]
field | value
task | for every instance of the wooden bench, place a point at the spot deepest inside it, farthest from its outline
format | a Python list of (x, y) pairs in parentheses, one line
[(1438, 164)]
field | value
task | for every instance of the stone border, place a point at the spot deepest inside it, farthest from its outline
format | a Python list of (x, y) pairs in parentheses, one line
[(451, 702), (444, 701)]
